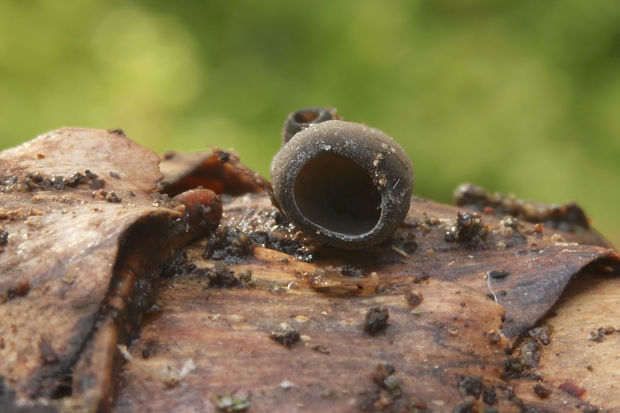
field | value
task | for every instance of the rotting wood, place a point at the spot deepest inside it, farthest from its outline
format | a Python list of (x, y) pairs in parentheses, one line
[(226, 332), (480, 282)]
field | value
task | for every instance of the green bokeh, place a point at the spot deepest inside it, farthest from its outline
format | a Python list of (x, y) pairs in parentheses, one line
[(519, 97)]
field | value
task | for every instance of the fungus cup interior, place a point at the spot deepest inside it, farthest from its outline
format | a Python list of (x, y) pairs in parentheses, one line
[(306, 116), (337, 194)]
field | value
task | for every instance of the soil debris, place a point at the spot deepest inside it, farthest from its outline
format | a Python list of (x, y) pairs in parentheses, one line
[(321, 349), (350, 271), (112, 197), (572, 389), (498, 274), (37, 181), (420, 277), (568, 217), (599, 334), (526, 356), (541, 391), (179, 266), (413, 299), (4, 237), (286, 245), (228, 244), (229, 403), (494, 337), (488, 395), (388, 394), (470, 385), (286, 336), (221, 276), (376, 320), (12, 292), (468, 230), (542, 333)]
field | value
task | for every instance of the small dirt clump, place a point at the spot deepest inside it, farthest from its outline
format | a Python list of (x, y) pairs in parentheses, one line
[(376, 320)]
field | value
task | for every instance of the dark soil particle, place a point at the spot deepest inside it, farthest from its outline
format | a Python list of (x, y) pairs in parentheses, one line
[(221, 276), (228, 244), (526, 356), (542, 391), (590, 409), (34, 181), (470, 385), (488, 395), (150, 349), (21, 289), (494, 337), (179, 266), (286, 337), (4, 237), (223, 156), (420, 277), (112, 197), (18, 290), (114, 175), (350, 271), (388, 395), (382, 372), (498, 274), (233, 245), (542, 333), (95, 181), (76, 179), (468, 230), (285, 245), (218, 276), (321, 349), (600, 333), (413, 299), (376, 320)]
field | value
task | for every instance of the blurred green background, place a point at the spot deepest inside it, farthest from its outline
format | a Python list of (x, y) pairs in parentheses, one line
[(519, 97)]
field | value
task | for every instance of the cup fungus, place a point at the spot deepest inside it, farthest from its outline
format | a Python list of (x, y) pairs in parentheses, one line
[(343, 183), (300, 119)]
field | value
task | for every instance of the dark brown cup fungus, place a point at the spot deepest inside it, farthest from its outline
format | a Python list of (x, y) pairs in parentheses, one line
[(302, 118), (343, 183)]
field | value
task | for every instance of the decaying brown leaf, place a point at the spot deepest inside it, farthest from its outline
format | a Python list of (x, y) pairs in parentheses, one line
[(218, 170), (86, 234)]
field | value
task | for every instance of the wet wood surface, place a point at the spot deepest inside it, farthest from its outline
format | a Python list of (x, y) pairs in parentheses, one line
[(448, 331)]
